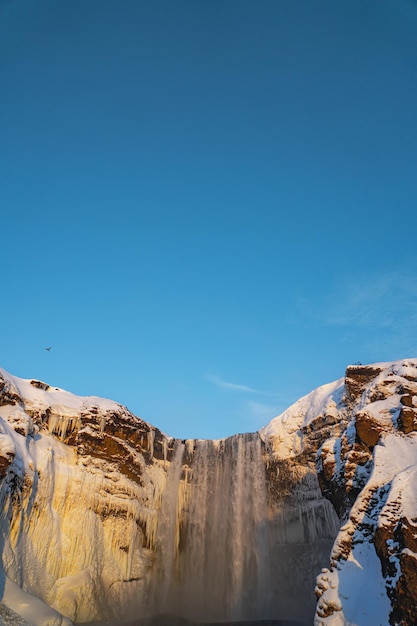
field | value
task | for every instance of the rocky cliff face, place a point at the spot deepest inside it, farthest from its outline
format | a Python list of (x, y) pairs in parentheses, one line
[(369, 474), (104, 517)]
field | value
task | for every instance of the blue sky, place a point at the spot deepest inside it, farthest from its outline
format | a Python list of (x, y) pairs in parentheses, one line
[(208, 206)]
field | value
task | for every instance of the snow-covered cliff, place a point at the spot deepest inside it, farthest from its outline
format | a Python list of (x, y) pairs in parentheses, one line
[(104, 517), (77, 498), (369, 473)]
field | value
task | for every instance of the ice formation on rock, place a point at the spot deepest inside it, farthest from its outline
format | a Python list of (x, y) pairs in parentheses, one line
[(104, 516)]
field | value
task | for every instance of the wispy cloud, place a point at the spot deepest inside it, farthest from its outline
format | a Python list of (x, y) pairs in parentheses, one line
[(257, 413), (378, 301), (379, 307), (227, 385), (384, 301)]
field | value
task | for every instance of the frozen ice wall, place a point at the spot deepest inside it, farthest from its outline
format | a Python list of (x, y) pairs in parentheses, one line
[(75, 532)]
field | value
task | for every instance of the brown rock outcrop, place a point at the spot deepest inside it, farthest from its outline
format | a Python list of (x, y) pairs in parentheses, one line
[(368, 429), (8, 395), (407, 419), (396, 546), (372, 504), (358, 377)]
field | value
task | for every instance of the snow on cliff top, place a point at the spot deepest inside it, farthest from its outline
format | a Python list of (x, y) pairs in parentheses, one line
[(327, 400), (286, 428), (40, 395)]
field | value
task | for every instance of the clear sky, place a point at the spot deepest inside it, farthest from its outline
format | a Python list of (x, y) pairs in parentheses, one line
[(208, 207)]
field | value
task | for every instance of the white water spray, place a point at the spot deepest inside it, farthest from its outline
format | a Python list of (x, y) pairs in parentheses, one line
[(211, 538)]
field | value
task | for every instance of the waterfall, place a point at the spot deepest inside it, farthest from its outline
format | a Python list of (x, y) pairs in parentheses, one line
[(212, 544), (167, 532)]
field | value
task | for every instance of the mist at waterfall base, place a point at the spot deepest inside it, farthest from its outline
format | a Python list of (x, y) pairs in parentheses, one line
[(176, 620), (221, 556)]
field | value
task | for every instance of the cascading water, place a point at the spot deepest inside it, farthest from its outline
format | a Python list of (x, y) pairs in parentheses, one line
[(167, 539), (212, 543)]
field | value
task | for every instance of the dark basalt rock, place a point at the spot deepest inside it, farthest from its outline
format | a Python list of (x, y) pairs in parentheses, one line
[(407, 419), (5, 462), (8, 395), (357, 377), (40, 385)]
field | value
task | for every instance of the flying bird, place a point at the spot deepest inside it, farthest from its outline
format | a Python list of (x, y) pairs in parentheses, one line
[(48, 348)]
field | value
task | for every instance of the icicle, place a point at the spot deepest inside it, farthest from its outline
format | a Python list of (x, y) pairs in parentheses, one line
[(60, 425), (217, 444), (151, 439), (189, 447)]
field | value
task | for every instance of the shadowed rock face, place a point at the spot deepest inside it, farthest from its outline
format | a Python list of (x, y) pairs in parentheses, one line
[(357, 378)]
